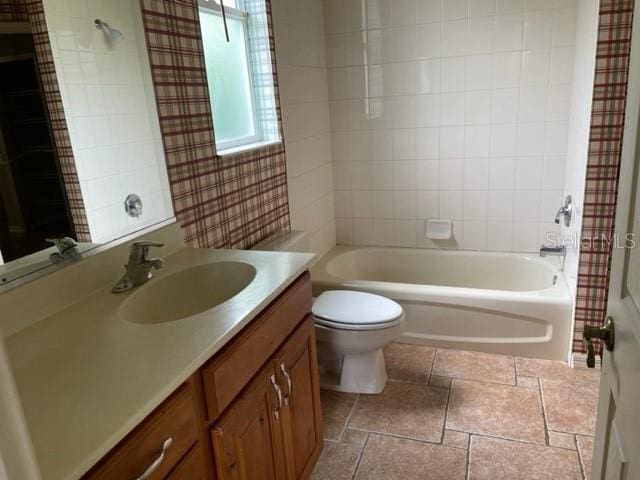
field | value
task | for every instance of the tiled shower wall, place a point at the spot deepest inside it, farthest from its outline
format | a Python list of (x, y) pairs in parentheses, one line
[(111, 113), (302, 74), (579, 124), (455, 109)]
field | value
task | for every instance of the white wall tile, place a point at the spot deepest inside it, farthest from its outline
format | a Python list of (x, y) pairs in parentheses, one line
[(533, 104), (451, 174), (429, 11), (503, 140), (476, 173), (452, 142), (454, 38), (475, 204), (477, 141), (481, 36), (428, 40), (500, 205), (502, 172), (454, 74), (509, 6), (535, 67), (427, 110), (529, 173), (506, 69), (508, 32), (403, 12), (478, 107), (479, 72), (427, 174), (452, 108), (429, 74), (504, 105), (481, 8), (427, 143), (455, 109), (538, 29)]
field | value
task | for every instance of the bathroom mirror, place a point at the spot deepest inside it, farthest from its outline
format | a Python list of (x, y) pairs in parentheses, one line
[(81, 155)]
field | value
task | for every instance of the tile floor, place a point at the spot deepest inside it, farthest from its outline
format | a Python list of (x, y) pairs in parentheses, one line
[(452, 414)]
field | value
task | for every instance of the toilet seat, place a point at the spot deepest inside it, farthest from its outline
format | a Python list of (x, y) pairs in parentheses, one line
[(349, 310)]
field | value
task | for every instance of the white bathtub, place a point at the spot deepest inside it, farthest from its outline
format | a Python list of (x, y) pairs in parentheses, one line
[(493, 302)]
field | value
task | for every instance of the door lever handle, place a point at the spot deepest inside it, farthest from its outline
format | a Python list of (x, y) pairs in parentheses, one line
[(606, 332)]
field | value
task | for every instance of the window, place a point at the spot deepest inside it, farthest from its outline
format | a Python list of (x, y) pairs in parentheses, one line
[(236, 100)]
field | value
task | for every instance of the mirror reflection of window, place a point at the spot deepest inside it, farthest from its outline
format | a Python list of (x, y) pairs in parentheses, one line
[(239, 73)]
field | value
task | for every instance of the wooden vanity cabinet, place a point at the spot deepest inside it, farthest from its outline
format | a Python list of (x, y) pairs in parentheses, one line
[(251, 412), (273, 431)]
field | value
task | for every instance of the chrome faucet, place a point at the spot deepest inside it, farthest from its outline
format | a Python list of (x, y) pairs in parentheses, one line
[(560, 251), (67, 248), (138, 269)]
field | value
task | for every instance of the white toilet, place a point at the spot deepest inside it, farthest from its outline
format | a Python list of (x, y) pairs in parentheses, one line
[(352, 328)]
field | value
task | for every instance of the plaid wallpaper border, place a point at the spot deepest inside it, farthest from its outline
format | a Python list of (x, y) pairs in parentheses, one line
[(221, 202), (13, 11), (603, 163), (33, 11)]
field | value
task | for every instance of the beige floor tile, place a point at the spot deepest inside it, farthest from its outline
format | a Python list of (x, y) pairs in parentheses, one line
[(528, 382), (535, 367), (497, 459), (484, 367), (389, 458), (354, 437), (562, 440), (440, 382), (337, 462), (404, 409), (585, 449), (408, 363), (456, 439), (570, 406), (496, 410), (336, 408)]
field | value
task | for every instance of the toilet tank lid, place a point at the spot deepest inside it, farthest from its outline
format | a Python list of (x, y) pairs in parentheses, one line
[(355, 308)]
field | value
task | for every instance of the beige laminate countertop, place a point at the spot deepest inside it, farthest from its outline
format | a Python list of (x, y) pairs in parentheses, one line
[(86, 377)]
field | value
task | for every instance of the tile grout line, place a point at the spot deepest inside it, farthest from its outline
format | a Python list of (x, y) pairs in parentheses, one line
[(446, 412), (422, 440), (360, 455), (348, 419), (580, 465), (544, 415)]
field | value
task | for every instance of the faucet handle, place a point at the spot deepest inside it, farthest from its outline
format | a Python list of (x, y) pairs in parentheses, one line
[(62, 243), (140, 250), (147, 243)]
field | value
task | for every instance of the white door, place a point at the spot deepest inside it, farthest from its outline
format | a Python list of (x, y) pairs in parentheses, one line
[(617, 443)]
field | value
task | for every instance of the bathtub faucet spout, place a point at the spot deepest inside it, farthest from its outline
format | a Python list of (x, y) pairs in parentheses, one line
[(560, 251)]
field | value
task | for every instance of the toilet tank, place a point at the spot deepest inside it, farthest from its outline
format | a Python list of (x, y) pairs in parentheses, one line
[(285, 241)]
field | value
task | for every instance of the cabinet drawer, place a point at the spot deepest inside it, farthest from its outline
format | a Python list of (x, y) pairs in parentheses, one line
[(227, 374), (174, 419), (191, 467)]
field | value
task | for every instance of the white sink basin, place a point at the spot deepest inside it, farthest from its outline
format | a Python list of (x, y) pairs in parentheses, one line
[(187, 292)]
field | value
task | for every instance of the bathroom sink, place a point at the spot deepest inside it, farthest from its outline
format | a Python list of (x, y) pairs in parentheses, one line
[(187, 292)]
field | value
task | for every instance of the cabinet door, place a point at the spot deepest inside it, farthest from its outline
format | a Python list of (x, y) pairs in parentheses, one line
[(248, 437), (297, 370)]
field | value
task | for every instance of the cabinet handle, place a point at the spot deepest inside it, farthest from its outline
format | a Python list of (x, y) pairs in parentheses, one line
[(287, 377), (276, 388), (156, 463)]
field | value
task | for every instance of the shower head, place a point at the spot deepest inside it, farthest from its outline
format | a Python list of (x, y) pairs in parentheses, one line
[(113, 34)]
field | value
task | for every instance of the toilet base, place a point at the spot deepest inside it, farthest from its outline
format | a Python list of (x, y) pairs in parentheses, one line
[(359, 373)]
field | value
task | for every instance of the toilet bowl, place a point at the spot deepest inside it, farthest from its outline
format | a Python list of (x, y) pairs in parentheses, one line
[(352, 328)]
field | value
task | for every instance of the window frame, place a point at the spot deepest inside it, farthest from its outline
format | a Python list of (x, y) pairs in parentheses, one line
[(237, 144)]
